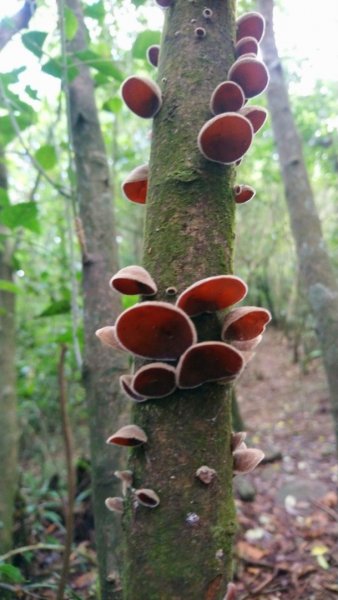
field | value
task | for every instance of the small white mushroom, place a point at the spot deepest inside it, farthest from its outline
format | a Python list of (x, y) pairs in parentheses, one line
[(205, 474)]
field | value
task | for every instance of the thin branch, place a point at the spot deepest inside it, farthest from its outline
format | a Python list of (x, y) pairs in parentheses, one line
[(71, 479), (33, 160), (30, 548), (10, 26), (71, 211)]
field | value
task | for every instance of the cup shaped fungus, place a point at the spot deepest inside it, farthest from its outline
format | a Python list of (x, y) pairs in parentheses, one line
[(129, 435), (225, 138), (243, 193), (147, 497), (212, 294), (155, 330), (227, 96), (206, 362), (237, 438), (155, 380), (250, 74), (115, 504), (256, 115), (107, 336), (135, 185), (245, 323), (133, 280), (153, 54), (246, 460), (142, 95), (127, 388), (250, 24), (246, 45)]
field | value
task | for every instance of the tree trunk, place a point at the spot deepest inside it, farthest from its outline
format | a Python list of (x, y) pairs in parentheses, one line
[(8, 399), (8, 406), (316, 273), (182, 549), (101, 367)]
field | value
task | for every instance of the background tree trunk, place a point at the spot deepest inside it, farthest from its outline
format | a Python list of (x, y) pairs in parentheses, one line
[(316, 273), (8, 400), (182, 549), (101, 366)]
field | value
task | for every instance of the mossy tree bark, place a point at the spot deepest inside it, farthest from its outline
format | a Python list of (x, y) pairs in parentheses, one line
[(8, 400), (316, 274), (182, 549), (101, 367)]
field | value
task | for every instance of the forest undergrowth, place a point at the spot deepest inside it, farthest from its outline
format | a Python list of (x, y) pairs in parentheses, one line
[(286, 545)]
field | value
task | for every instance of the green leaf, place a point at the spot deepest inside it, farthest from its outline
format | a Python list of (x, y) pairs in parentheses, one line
[(95, 11), (12, 76), (57, 307), (143, 41), (24, 214), (31, 92), (46, 156), (10, 574), (54, 67), (71, 23), (33, 41), (7, 131), (9, 286), (113, 105), (103, 65)]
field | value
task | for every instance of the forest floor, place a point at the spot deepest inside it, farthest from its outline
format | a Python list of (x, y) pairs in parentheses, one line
[(286, 546), (287, 541)]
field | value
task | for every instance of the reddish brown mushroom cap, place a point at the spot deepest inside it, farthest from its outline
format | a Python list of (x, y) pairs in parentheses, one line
[(243, 193), (247, 45), (250, 24), (153, 54), (245, 323), (135, 185), (107, 336), (227, 96), (127, 388), (206, 362), (155, 380), (225, 138), (129, 435), (256, 115), (246, 346), (212, 294), (155, 330), (142, 96), (133, 280), (251, 74)]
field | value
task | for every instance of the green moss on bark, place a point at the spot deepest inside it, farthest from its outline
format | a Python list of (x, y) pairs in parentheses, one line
[(182, 549)]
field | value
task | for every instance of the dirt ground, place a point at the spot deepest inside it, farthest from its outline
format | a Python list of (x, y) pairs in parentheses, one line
[(287, 539)]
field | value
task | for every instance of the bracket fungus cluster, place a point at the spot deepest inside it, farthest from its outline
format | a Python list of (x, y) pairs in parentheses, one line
[(164, 335)]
